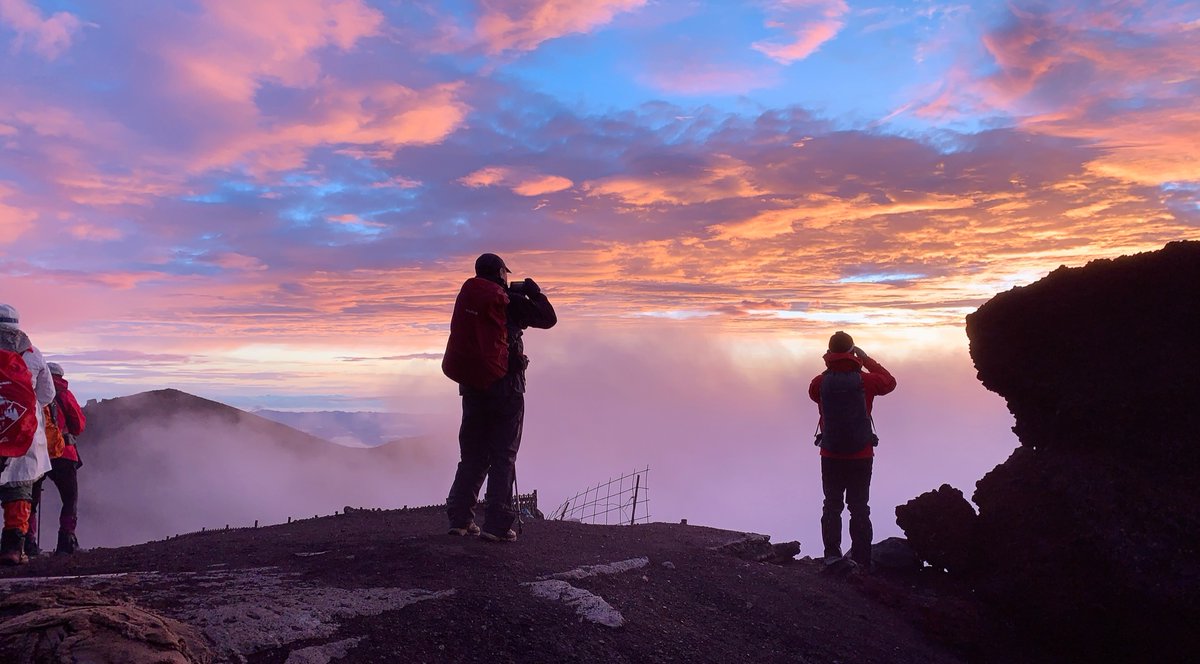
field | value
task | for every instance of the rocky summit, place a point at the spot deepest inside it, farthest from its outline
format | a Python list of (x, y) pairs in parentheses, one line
[(392, 586), (1086, 536)]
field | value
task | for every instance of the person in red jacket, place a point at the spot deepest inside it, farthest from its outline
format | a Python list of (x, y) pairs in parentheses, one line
[(493, 414), (844, 394), (71, 421)]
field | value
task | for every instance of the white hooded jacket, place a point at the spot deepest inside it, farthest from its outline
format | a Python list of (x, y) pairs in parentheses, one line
[(36, 461)]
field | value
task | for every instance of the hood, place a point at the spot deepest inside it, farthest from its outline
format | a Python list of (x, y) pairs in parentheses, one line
[(842, 361)]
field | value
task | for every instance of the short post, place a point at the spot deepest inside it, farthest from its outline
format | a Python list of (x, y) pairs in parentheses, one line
[(636, 485), (289, 519), (256, 523)]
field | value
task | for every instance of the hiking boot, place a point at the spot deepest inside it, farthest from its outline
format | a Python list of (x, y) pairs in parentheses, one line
[(31, 547), (67, 543), (469, 529), (12, 547), (839, 566), (508, 536)]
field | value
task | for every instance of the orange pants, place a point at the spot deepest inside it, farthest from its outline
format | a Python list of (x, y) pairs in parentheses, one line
[(16, 515)]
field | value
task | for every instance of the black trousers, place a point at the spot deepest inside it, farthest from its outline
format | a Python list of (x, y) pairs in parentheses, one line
[(488, 441), (63, 474), (847, 482)]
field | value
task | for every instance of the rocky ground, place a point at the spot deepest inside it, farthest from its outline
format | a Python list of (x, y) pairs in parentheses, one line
[(391, 586)]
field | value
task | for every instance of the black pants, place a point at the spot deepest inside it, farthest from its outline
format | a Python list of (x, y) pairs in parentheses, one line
[(847, 482), (488, 442), (63, 474)]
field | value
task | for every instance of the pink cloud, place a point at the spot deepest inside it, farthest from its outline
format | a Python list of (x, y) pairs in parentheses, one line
[(697, 78), (522, 182), (94, 232), (234, 47), (521, 25), (1121, 76), (48, 37), (237, 262), (807, 33), (14, 220)]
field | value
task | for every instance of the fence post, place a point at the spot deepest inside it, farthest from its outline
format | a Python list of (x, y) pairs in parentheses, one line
[(637, 485)]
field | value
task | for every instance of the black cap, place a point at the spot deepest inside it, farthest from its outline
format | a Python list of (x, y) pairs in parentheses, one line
[(840, 342), (489, 265)]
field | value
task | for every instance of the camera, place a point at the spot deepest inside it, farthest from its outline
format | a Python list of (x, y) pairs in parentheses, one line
[(522, 287)]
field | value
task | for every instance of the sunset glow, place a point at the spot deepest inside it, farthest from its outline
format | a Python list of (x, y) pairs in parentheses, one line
[(281, 198)]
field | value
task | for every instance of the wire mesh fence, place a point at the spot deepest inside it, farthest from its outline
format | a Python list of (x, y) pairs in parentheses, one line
[(623, 500)]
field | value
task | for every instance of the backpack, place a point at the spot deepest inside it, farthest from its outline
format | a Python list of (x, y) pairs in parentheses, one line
[(18, 405), (477, 350), (846, 426), (55, 441)]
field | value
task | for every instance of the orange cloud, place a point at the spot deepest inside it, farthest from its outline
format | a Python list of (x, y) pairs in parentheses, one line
[(723, 177), (48, 37), (808, 35), (824, 211), (522, 25)]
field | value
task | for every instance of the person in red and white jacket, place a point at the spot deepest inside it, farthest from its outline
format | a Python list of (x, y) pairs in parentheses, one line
[(847, 443), (63, 468)]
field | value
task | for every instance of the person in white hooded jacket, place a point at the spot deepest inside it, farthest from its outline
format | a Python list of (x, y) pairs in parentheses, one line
[(19, 475)]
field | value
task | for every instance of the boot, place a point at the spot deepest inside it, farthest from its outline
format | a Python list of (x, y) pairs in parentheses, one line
[(67, 543), (12, 547), (31, 546)]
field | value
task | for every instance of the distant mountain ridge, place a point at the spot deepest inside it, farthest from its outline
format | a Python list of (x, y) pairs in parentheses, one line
[(165, 462), (348, 428), (109, 418)]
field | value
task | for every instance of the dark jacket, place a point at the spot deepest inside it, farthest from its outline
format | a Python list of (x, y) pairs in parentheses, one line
[(876, 382)]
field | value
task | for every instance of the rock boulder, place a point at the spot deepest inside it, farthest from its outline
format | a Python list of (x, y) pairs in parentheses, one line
[(940, 526)]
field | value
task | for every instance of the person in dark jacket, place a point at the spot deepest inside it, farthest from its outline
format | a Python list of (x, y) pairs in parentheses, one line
[(847, 443), (492, 418), (64, 463)]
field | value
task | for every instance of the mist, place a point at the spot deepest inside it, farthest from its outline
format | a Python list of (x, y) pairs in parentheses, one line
[(730, 442), (187, 473), (726, 427)]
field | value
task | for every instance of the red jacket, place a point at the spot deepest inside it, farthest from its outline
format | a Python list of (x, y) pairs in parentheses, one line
[(69, 415), (876, 382)]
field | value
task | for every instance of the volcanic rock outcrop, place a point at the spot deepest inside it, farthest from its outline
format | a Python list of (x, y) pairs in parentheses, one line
[(66, 624), (941, 525), (1088, 532)]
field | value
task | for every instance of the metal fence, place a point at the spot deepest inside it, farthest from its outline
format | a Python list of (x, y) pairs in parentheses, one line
[(624, 500)]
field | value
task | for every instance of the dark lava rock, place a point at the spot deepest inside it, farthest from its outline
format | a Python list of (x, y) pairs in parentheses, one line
[(940, 526), (896, 555), (758, 548), (1103, 356), (1088, 532)]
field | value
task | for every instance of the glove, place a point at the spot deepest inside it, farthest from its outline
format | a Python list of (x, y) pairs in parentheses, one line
[(860, 354), (531, 286)]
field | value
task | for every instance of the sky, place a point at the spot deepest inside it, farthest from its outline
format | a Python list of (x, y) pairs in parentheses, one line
[(273, 204)]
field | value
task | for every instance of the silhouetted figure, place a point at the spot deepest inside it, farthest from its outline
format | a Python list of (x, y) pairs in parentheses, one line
[(20, 472), (485, 356), (69, 419), (844, 394)]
